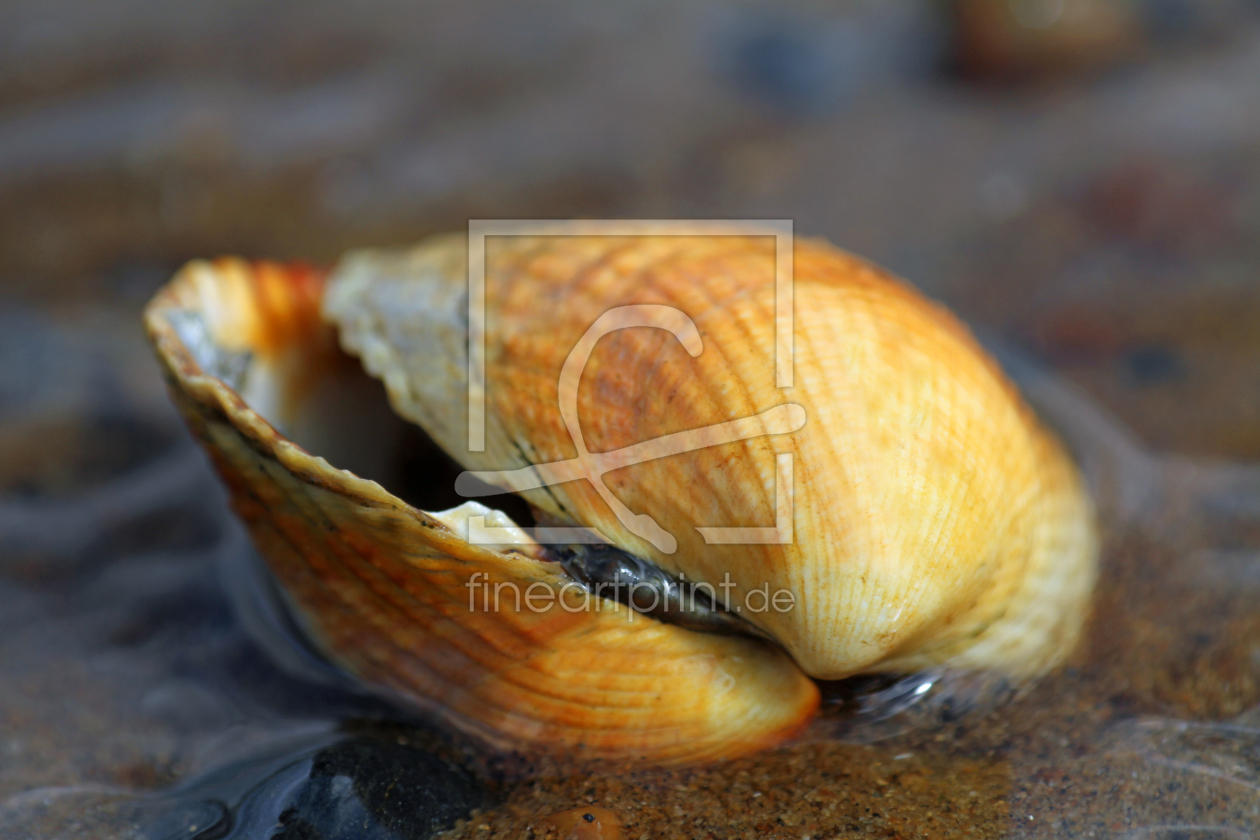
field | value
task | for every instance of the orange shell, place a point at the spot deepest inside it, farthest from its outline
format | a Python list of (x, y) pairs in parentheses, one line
[(934, 520), (382, 587)]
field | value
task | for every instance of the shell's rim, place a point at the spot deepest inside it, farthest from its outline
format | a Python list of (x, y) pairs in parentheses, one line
[(212, 392)]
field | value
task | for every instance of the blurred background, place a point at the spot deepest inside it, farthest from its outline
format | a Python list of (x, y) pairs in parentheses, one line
[(1078, 177), (1081, 175)]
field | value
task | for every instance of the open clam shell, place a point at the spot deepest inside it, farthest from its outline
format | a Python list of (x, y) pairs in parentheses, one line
[(383, 588)]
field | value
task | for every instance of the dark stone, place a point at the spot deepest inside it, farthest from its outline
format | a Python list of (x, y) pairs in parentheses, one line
[(372, 784), (366, 789)]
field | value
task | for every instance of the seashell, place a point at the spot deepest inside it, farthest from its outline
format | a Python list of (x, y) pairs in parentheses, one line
[(382, 587), (926, 519)]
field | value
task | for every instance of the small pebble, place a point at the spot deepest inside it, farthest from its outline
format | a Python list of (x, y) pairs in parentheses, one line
[(590, 823)]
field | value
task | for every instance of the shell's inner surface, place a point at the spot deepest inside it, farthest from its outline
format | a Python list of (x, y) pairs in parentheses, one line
[(496, 639)]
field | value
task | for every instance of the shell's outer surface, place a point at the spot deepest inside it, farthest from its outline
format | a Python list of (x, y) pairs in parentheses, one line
[(383, 587), (934, 519)]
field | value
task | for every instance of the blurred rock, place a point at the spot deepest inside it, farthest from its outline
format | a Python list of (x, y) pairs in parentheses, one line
[(792, 63), (1026, 38)]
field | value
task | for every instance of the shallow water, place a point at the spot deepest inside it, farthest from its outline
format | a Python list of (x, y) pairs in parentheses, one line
[(153, 693)]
